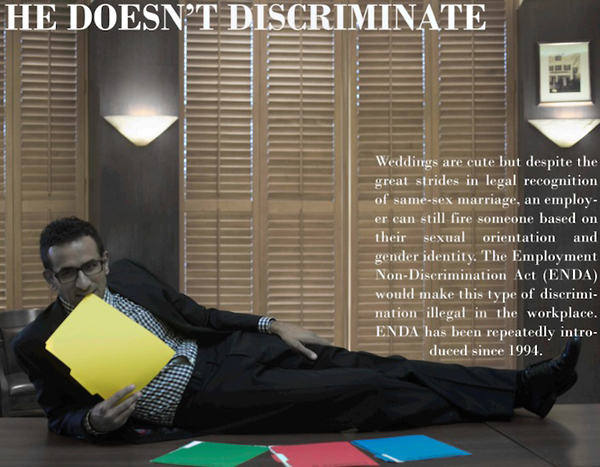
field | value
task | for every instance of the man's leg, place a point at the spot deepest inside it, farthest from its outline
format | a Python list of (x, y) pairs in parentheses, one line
[(476, 390), (255, 383)]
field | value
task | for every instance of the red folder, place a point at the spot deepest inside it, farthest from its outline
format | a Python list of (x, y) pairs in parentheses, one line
[(340, 454)]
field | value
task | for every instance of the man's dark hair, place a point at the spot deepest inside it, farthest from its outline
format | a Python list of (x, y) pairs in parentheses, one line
[(66, 230)]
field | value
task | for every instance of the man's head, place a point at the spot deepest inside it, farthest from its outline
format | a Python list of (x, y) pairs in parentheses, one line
[(74, 258)]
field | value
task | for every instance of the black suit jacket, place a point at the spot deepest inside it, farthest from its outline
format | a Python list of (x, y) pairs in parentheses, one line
[(65, 401)]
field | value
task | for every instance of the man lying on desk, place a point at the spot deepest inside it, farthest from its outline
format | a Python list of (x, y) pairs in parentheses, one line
[(236, 373)]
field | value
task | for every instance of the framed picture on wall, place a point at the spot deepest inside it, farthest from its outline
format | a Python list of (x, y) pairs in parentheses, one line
[(565, 72)]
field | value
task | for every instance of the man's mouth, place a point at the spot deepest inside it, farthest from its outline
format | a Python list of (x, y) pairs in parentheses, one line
[(81, 296)]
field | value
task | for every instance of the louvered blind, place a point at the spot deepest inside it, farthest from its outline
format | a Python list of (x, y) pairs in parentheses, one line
[(218, 110), (2, 102), (390, 123), (303, 202), (219, 257), (49, 113), (47, 151), (434, 97), (219, 233), (302, 270), (260, 222), (300, 114), (301, 234), (473, 115), (3, 165)]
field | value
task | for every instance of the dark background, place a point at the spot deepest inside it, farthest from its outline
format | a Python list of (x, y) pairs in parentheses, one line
[(560, 21)]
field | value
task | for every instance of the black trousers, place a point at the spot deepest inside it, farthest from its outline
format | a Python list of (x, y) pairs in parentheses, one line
[(254, 383)]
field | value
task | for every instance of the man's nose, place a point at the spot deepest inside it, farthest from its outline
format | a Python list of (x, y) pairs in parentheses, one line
[(83, 281)]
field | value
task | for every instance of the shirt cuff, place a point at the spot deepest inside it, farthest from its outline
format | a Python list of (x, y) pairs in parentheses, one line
[(264, 324)]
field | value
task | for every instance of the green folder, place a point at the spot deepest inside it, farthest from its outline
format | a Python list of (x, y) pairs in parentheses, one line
[(205, 454)]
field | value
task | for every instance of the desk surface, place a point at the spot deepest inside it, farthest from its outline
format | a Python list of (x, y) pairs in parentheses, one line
[(567, 437)]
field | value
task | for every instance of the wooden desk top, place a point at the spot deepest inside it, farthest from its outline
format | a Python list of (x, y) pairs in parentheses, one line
[(567, 437)]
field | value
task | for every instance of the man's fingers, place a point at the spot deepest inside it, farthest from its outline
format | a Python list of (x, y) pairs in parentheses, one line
[(117, 396), (110, 415), (309, 354), (303, 350), (110, 408), (127, 405), (296, 337), (121, 417)]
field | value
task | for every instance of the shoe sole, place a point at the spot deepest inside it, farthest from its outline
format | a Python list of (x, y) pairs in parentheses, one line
[(546, 406)]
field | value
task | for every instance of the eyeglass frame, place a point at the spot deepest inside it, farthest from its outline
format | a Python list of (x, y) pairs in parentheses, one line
[(101, 261)]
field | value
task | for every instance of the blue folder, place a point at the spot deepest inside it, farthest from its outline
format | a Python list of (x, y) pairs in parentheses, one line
[(409, 448)]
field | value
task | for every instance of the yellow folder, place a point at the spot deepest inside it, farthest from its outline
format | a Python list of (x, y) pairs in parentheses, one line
[(107, 351)]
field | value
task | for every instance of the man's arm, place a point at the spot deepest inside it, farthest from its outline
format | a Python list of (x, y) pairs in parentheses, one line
[(134, 280), (80, 420), (295, 336), (138, 284), (65, 415)]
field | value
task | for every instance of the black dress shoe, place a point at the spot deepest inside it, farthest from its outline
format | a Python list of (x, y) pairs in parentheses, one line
[(540, 384)]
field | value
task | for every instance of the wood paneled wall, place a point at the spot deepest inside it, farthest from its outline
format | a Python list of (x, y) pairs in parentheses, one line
[(134, 192), (559, 21)]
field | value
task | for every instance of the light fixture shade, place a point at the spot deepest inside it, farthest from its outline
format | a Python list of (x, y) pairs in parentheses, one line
[(141, 130), (565, 132)]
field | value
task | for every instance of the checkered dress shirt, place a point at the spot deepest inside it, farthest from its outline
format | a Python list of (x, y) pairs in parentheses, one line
[(163, 394)]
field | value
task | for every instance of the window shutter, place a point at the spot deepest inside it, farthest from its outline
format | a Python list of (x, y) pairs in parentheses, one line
[(219, 257), (260, 172), (435, 96), (282, 133), (473, 114), (3, 166), (390, 115), (219, 185), (48, 150), (301, 194), (218, 111)]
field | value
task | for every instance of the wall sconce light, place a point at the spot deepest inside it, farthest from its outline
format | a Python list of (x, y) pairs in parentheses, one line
[(141, 130), (565, 132)]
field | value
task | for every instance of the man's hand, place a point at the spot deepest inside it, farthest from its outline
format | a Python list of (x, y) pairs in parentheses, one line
[(109, 415), (296, 337)]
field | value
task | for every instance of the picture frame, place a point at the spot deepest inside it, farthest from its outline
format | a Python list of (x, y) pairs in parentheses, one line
[(565, 73)]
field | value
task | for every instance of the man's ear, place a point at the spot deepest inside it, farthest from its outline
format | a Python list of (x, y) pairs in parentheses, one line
[(105, 259), (49, 278)]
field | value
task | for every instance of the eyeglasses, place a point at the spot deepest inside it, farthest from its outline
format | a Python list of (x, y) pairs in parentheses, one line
[(68, 275)]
